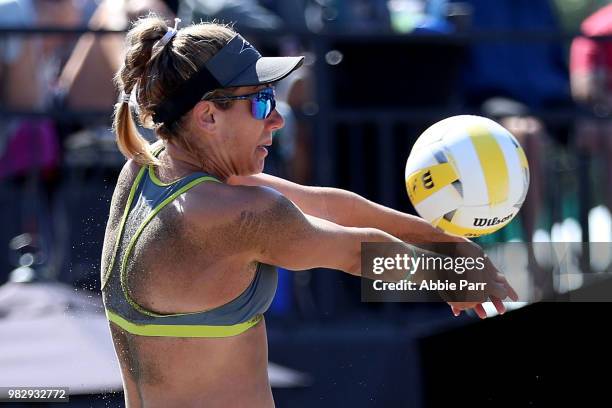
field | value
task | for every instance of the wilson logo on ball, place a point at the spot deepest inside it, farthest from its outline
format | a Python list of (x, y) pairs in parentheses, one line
[(487, 222)]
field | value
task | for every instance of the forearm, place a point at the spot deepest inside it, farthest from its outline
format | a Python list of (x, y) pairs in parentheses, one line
[(349, 209), (346, 249)]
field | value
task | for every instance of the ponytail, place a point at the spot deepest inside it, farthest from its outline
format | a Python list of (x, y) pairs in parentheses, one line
[(140, 41), (130, 141)]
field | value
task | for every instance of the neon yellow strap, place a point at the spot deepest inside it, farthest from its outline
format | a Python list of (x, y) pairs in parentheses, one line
[(160, 330), (154, 177), (120, 232)]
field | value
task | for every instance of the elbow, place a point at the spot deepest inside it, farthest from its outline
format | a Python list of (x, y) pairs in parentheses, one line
[(354, 265), (354, 260)]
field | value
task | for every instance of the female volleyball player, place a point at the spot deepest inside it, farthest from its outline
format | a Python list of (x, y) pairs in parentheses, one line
[(194, 227)]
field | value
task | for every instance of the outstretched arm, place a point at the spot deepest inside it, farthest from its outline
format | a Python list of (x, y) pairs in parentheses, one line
[(349, 209)]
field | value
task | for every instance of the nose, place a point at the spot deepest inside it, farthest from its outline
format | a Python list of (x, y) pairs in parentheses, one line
[(275, 121)]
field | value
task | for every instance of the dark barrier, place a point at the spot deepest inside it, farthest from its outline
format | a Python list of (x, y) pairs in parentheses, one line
[(540, 356)]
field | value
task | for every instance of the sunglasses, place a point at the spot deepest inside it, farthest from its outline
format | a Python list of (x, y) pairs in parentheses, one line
[(263, 102)]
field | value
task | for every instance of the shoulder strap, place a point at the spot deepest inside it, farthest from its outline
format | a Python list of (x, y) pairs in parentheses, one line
[(126, 211)]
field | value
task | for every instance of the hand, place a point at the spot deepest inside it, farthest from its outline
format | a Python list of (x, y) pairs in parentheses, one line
[(497, 288)]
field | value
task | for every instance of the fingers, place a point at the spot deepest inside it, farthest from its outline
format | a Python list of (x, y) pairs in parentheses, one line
[(456, 311), (501, 287), (479, 309), (511, 293), (497, 289), (499, 305)]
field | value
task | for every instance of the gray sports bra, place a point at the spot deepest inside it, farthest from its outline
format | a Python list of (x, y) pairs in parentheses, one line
[(147, 197)]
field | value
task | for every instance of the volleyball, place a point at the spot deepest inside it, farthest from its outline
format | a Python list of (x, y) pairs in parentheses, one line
[(467, 175)]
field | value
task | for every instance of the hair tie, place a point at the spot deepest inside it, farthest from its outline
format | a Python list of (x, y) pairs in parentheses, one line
[(125, 97), (169, 34)]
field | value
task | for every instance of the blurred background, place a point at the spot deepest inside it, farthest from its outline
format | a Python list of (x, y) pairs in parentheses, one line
[(377, 73)]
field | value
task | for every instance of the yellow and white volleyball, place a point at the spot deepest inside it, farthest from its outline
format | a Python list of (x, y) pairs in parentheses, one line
[(467, 175)]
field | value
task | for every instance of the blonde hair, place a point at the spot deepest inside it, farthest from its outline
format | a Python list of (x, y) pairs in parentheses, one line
[(154, 72)]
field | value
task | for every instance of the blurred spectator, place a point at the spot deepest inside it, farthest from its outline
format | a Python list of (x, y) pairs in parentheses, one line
[(531, 134), (29, 149), (419, 16), (87, 78), (20, 86), (297, 91), (379, 16), (531, 72), (591, 62), (58, 14), (538, 146), (31, 67), (247, 14), (591, 80)]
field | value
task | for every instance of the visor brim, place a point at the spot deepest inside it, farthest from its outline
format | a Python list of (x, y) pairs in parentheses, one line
[(266, 70)]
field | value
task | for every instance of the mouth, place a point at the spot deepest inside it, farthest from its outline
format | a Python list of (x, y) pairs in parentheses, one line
[(266, 144), (264, 147)]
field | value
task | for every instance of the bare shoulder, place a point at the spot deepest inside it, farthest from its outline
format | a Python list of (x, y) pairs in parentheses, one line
[(128, 173), (126, 178), (246, 215), (234, 202)]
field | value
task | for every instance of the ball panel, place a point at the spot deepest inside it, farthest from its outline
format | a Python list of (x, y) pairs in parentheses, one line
[(513, 163), (492, 162), (427, 181), (523, 157), (525, 166), (462, 155), (433, 134), (441, 202), (417, 162), (459, 187)]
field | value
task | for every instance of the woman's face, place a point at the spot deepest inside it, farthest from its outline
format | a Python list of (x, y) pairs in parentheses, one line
[(239, 141)]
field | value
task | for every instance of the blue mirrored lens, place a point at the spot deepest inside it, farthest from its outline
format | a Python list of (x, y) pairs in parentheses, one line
[(261, 108), (263, 104)]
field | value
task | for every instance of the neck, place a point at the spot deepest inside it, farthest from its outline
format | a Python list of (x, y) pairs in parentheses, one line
[(183, 162)]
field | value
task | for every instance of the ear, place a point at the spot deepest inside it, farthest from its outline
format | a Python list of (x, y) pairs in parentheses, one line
[(204, 115)]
